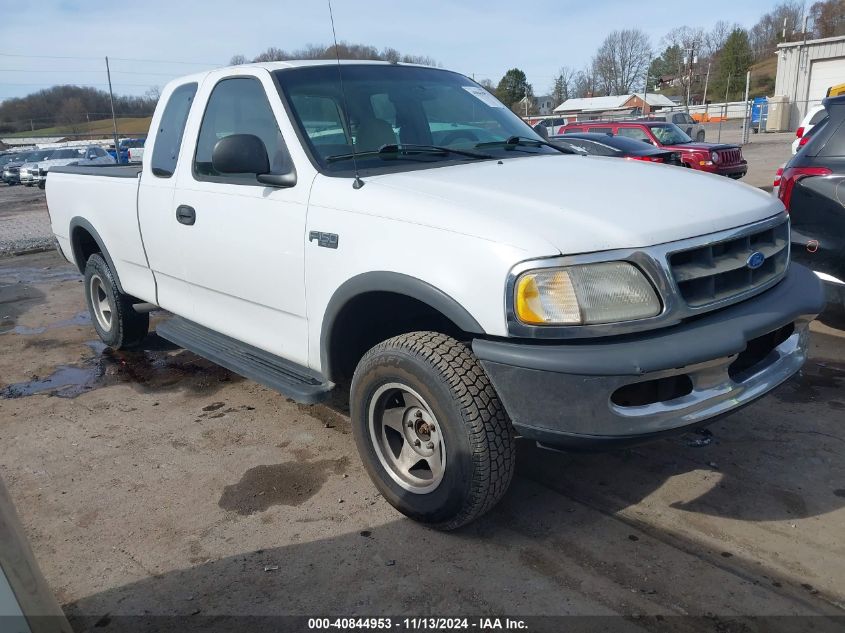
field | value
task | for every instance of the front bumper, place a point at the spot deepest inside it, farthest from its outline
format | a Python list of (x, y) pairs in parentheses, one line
[(630, 388)]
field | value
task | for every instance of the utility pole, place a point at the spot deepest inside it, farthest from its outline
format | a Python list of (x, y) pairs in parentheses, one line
[(706, 81), (746, 122), (113, 118), (727, 88)]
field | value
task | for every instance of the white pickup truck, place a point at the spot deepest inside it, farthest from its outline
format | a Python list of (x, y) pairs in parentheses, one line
[(394, 231)]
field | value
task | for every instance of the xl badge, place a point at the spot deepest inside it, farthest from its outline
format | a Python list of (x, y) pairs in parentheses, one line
[(755, 260)]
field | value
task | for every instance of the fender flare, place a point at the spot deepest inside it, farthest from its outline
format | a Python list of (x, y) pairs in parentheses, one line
[(397, 283), (79, 222)]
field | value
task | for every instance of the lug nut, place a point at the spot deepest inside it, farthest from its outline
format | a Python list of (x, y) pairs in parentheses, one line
[(410, 424), (418, 414), (430, 445), (417, 443)]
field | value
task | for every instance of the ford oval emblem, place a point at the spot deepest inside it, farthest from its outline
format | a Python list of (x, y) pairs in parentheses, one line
[(755, 260)]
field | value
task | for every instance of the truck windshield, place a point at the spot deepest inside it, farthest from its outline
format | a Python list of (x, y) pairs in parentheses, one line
[(670, 134), (404, 109)]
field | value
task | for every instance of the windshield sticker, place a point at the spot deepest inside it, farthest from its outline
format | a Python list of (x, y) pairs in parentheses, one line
[(482, 95)]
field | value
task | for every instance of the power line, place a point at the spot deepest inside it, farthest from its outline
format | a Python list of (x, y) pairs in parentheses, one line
[(122, 59), (63, 70)]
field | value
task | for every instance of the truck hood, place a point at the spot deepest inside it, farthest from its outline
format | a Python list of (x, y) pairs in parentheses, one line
[(700, 147), (568, 204)]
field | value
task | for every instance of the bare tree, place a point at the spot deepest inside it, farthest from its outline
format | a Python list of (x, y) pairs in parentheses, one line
[(563, 86), (72, 114), (488, 85), (237, 60), (584, 83), (622, 60), (769, 30)]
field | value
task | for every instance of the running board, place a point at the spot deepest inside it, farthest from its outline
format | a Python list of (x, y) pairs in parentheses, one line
[(289, 379)]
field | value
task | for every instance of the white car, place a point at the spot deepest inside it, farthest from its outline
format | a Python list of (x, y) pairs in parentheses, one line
[(35, 172), (811, 119), (427, 253)]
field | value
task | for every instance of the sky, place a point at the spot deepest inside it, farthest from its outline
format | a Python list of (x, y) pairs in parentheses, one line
[(150, 42)]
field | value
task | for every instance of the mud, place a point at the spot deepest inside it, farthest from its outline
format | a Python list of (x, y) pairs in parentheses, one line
[(290, 484)]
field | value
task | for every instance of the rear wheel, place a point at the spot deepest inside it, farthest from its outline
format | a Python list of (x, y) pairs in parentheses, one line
[(431, 430), (117, 323), (700, 136)]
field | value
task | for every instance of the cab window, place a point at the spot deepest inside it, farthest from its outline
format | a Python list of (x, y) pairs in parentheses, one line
[(635, 133), (171, 128), (239, 106)]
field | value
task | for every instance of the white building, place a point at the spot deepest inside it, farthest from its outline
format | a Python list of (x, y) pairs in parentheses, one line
[(806, 70), (587, 108)]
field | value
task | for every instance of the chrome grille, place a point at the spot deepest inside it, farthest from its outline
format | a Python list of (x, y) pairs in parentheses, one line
[(719, 271), (730, 156)]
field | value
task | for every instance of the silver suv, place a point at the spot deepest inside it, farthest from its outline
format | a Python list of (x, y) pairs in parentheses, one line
[(683, 120)]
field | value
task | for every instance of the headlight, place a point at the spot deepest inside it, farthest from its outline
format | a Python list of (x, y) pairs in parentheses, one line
[(714, 156), (584, 294)]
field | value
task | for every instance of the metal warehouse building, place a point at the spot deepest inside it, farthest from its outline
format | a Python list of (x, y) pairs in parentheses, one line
[(806, 70)]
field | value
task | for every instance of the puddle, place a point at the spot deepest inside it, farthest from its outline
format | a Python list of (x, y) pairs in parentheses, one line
[(159, 367), (80, 318), (815, 376), (289, 484), (66, 381), (34, 275)]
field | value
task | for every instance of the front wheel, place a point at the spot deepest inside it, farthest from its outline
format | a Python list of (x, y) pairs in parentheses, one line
[(430, 428)]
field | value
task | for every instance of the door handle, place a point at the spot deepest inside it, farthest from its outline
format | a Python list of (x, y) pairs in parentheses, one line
[(186, 214)]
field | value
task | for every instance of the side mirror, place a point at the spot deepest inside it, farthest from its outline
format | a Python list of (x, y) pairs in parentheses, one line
[(540, 128), (246, 154)]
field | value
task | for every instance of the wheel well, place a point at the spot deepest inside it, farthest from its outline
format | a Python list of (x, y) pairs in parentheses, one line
[(83, 245), (373, 317)]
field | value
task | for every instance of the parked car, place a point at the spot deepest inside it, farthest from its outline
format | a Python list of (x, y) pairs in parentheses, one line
[(683, 120), (811, 188), (11, 170), (126, 145), (615, 147), (35, 172), (553, 125), (462, 292), (722, 159), (811, 119), (26, 603)]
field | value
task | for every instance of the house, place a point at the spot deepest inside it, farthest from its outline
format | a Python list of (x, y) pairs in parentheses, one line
[(545, 104), (587, 108)]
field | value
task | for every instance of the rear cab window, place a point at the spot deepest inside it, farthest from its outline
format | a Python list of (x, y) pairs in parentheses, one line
[(171, 128), (637, 133), (600, 130)]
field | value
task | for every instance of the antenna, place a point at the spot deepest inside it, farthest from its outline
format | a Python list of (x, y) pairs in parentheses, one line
[(357, 183)]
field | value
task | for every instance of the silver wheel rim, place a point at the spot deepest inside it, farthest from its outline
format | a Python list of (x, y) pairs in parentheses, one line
[(407, 438), (100, 303)]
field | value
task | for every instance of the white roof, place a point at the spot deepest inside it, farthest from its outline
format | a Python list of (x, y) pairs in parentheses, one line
[(613, 102), (593, 103), (654, 99)]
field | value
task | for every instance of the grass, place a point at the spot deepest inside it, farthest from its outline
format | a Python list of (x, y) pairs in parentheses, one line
[(125, 127)]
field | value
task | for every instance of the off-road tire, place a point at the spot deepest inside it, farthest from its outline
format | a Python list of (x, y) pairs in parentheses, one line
[(127, 327), (478, 436), (700, 136)]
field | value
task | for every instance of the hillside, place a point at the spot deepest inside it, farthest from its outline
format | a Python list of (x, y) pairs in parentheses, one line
[(129, 126)]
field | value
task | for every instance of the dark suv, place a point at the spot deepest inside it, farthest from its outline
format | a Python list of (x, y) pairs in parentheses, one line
[(812, 187), (722, 159)]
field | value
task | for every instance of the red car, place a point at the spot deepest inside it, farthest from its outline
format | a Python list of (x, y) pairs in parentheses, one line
[(725, 160)]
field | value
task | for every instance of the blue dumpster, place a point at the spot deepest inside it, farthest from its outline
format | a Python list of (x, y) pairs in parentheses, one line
[(759, 113)]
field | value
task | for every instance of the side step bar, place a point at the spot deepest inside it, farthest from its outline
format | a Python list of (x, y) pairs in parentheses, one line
[(300, 383)]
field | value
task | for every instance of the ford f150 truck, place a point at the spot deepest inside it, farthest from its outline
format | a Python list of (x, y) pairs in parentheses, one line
[(395, 231)]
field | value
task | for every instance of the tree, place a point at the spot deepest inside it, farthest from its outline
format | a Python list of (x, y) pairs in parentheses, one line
[(72, 113), (768, 32), (584, 83), (668, 63), (735, 59), (488, 85), (563, 85), (512, 87), (828, 18), (621, 63), (237, 60)]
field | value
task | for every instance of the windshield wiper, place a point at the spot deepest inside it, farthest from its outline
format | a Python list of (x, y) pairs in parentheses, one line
[(394, 149), (514, 141)]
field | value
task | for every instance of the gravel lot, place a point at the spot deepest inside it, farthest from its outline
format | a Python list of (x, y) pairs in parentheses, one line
[(154, 482), (24, 224)]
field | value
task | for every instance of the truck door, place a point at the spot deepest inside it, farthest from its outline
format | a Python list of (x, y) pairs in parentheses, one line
[(155, 201), (242, 242)]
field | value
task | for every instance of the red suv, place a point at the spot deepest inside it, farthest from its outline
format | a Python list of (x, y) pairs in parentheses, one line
[(725, 160)]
